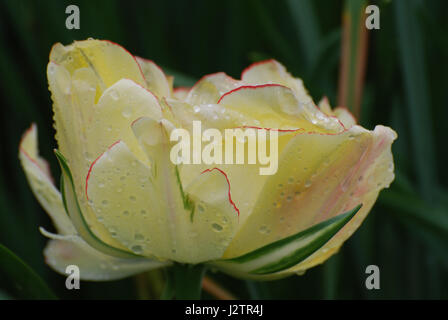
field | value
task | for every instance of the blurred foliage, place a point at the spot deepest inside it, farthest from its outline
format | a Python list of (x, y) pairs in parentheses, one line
[(406, 234)]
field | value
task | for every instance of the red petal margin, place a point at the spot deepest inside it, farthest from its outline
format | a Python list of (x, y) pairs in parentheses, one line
[(252, 87), (45, 170), (228, 183), (93, 163), (211, 75), (151, 61), (256, 64)]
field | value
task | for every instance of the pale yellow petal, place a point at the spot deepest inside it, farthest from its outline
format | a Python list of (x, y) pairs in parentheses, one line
[(210, 88), (345, 117), (147, 207), (42, 185), (181, 93), (109, 61), (320, 176), (272, 71), (118, 107), (93, 265), (324, 106), (276, 106), (375, 172), (156, 80), (74, 108)]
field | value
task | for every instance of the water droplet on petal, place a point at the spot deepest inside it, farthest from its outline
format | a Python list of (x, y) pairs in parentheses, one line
[(137, 249), (217, 227), (114, 94), (139, 237)]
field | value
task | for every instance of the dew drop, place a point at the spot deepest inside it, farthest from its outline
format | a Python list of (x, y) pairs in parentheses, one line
[(139, 237), (137, 249), (113, 232), (126, 112), (114, 94), (217, 227), (264, 230)]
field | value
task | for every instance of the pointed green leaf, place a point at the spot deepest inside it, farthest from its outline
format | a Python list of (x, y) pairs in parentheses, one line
[(20, 279), (73, 209), (290, 251)]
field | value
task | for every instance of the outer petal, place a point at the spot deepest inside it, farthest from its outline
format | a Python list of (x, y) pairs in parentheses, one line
[(118, 107), (93, 265), (96, 126), (276, 106), (109, 61), (345, 116), (181, 93), (67, 248), (375, 172), (38, 175), (272, 71), (150, 211), (320, 176), (245, 179), (341, 113), (156, 80), (210, 88), (211, 116)]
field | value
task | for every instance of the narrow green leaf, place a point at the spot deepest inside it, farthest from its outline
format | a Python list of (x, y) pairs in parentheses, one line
[(411, 45), (19, 279), (354, 44), (307, 27), (289, 251), (73, 209), (413, 209)]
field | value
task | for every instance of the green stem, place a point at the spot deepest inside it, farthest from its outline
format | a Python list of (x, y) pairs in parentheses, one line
[(183, 282)]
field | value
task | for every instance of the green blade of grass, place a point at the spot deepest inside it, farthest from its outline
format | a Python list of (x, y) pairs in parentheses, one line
[(307, 28), (410, 43), (20, 279), (353, 58)]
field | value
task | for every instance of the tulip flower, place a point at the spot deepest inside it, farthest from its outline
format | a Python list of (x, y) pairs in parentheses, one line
[(124, 207)]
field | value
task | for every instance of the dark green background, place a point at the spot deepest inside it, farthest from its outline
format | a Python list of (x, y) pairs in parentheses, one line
[(406, 234)]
